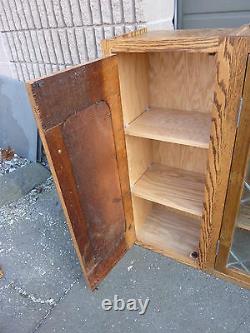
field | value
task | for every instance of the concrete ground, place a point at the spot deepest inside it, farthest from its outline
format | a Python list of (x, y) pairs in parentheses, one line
[(43, 289)]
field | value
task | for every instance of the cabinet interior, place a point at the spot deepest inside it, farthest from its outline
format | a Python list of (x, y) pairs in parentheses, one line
[(166, 100)]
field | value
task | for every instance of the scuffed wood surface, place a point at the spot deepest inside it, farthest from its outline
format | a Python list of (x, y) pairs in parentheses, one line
[(234, 212), (230, 73), (78, 112)]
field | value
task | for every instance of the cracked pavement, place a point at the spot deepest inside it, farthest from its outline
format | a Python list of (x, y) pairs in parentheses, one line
[(43, 290)]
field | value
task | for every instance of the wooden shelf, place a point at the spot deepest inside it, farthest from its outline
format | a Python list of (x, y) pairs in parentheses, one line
[(182, 127), (170, 233), (243, 221), (175, 188)]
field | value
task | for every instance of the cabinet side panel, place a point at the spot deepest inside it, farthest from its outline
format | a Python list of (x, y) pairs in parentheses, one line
[(133, 74), (239, 173), (230, 72)]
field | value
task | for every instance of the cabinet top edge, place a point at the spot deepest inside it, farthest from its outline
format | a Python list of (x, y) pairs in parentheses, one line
[(201, 40)]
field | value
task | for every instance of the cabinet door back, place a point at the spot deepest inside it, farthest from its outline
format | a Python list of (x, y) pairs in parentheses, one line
[(73, 112)]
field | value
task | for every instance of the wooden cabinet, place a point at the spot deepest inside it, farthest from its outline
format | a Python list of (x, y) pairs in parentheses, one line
[(140, 143)]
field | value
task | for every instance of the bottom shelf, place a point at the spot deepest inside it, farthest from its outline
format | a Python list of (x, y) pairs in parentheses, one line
[(170, 232)]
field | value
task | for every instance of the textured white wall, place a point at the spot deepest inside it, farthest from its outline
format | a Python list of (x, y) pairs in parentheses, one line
[(44, 36), (158, 14)]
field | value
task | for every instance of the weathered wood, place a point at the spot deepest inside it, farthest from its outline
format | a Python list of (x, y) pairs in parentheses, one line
[(231, 64), (237, 174), (78, 113)]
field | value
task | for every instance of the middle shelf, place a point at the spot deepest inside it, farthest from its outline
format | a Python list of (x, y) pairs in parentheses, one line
[(189, 128), (172, 187)]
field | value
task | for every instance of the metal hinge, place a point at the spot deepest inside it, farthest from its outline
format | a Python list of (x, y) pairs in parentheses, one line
[(239, 111), (217, 247)]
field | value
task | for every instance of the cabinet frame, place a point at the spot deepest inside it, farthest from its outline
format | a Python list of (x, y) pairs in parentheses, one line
[(231, 48), (100, 84), (237, 173)]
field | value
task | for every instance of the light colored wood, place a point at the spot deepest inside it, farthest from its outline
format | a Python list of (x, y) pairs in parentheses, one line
[(175, 188), (243, 219), (194, 40), (133, 75), (141, 209), (230, 75), (140, 156), (169, 232), (176, 126), (143, 152), (180, 156), (106, 44), (182, 81)]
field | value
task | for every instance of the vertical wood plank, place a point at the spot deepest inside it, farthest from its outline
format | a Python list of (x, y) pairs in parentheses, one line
[(231, 65), (237, 174)]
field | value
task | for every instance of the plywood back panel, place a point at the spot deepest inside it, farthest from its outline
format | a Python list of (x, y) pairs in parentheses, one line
[(180, 156), (181, 81)]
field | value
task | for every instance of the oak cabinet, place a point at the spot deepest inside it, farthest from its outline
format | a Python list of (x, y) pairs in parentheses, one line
[(140, 143)]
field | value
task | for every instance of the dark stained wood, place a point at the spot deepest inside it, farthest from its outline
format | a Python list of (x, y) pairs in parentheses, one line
[(78, 113), (231, 65), (237, 174)]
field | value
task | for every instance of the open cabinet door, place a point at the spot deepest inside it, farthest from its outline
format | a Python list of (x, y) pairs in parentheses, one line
[(78, 113)]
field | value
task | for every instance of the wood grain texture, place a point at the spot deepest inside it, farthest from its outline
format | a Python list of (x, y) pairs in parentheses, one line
[(72, 110), (202, 40), (237, 175), (180, 156), (243, 220), (169, 232), (231, 64), (181, 81), (141, 209), (106, 44), (133, 75), (175, 188), (140, 157), (176, 126)]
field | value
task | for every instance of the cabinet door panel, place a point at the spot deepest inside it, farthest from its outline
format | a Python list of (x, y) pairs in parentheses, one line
[(74, 111)]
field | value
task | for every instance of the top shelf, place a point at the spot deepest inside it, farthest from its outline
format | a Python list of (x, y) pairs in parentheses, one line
[(182, 127)]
